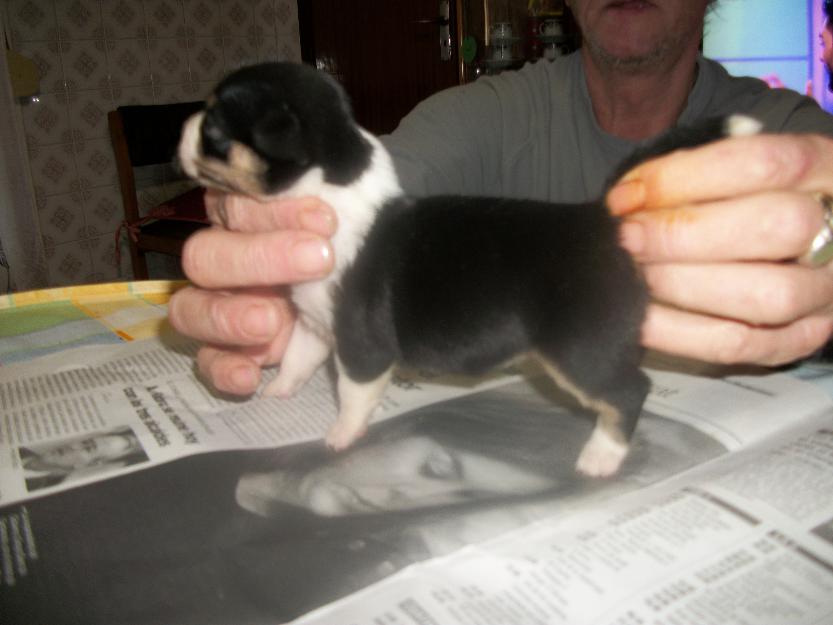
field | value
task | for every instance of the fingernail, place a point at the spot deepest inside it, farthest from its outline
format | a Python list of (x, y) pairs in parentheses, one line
[(318, 220), (243, 378), (626, 197), (260, 322), (312, 256), (632, 237)]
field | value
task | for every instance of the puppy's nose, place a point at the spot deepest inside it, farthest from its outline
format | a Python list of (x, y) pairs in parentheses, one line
[(215, 141)]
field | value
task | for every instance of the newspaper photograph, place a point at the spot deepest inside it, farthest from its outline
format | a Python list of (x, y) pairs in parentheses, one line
[(132, 494)]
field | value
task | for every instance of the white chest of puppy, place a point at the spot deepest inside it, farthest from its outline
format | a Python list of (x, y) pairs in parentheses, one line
[(355, 206)]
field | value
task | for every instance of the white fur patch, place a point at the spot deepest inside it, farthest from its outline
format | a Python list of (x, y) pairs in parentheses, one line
[(356, 206), (189, 144), (602, 455), (357, 401), (743, 126), (305, 352)]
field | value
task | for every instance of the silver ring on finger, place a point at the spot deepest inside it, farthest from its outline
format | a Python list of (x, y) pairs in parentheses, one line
[(820, 251)]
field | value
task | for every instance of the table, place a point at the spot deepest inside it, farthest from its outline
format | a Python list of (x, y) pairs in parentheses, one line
[(36, 323)]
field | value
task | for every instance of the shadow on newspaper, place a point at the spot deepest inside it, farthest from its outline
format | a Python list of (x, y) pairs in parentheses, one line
[(265, 536)]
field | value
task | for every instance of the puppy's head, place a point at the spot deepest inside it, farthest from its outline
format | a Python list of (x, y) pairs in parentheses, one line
[(266, 126)]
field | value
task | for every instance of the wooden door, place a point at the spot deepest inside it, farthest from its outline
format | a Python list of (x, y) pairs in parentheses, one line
[(386, 53)]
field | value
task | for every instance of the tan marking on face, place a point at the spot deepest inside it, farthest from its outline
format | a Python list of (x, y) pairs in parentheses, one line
[(243, 173), (245, 159)]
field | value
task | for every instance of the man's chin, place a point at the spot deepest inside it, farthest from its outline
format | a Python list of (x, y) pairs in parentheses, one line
[(631, 62)]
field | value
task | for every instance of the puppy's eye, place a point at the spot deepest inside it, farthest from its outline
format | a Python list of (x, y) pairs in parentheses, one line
[(214, 141)]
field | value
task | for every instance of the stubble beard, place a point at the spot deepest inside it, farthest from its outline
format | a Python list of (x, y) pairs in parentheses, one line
[(664, 54)]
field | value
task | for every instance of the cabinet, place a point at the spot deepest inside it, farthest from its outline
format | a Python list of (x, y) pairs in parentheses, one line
[(505, 34)]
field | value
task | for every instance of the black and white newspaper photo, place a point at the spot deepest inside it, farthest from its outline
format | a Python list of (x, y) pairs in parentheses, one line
[(137, 496)]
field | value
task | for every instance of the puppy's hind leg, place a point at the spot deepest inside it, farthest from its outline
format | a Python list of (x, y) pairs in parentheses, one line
[(616, 394), (356, 403), (305, 352)]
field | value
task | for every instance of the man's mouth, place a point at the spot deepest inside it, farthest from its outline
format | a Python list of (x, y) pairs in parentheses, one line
[(630, 5)]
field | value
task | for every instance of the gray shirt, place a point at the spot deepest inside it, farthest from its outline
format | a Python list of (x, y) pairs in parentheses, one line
[(532, 133)]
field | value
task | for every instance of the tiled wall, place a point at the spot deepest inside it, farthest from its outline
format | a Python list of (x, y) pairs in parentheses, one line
[(94, 55)]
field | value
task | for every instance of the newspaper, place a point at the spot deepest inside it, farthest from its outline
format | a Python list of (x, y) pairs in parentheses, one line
[(130, 493)]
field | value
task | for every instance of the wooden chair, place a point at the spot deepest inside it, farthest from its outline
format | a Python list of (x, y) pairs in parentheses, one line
[(144, 135)]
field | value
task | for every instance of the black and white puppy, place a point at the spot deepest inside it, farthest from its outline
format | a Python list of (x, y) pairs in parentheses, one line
[(445, 284)]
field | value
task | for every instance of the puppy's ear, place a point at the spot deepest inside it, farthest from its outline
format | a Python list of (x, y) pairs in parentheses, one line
[(278, 135)]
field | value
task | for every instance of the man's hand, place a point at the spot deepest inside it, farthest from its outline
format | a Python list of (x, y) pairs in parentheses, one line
[(236, 305), (717, 231)]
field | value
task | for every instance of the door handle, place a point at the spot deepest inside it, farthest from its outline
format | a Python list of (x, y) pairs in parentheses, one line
[(443, 20)]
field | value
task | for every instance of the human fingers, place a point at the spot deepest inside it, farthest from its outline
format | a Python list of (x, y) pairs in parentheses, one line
[(727, 341), (217, 258), (764, 226), (252, 318), (229, 371), (727, 168), (755, 293), (245, 214)]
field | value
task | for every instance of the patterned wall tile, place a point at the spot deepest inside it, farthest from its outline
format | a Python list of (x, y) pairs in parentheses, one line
[(31, 20), (95, 163), (268, 49), (47, 120), (61, 218), (85, 64), (123, 19), (286, 13), (206, 59), (88, 113), (278, 49), (205, 88), (68, 263), (238, 52), (290, 50), (190, 91), (103, 209), (78, 19), (264, 13), (139, 94), (128, 60), (168, 61), (237, 18), (203, 17), (53, 169), (164, 18)]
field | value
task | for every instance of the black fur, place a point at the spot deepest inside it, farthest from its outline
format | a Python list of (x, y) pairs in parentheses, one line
[(462, 285), (293, 117)]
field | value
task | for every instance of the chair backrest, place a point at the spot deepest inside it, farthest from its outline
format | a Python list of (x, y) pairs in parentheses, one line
[(152, 131), (145, 135)]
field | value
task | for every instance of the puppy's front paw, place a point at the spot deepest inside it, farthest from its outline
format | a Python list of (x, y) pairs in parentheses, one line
[(602, 455), (285, 385), (343, 434)]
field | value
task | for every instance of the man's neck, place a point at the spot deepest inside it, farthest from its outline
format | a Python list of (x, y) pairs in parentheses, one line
[(639, 105)]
